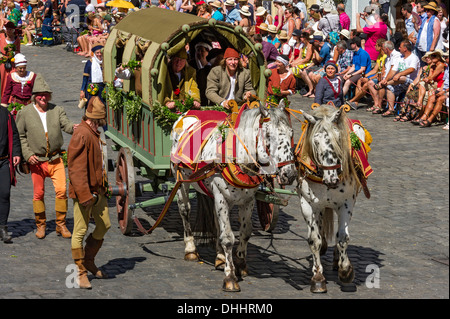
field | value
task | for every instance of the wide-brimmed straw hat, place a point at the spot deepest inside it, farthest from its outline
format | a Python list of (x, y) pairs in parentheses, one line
[(345, 33), (272, 28), (230, 3), (263, 26), (283, 35), (245, 11), (260, 11), (216, 4), (432, 5)]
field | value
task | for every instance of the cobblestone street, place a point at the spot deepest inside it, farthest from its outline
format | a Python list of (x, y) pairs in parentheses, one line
[(400, 235)]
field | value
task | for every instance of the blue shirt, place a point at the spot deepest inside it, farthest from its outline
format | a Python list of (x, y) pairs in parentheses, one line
[(233, 15), (272, 40), (325, 53), (362, 58), (218, 16)]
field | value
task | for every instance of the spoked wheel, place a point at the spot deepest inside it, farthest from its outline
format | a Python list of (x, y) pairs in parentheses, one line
[(125, 179), (268, 212)]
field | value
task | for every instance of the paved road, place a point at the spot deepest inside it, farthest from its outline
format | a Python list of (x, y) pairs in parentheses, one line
[(401, 234)]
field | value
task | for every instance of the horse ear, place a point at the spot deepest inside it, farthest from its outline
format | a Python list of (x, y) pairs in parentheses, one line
[(311, 119), (282, 105), (336, 116), (264, 110)]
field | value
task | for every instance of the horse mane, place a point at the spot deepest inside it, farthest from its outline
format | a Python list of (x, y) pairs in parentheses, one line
[(341, 143), (248, 130)]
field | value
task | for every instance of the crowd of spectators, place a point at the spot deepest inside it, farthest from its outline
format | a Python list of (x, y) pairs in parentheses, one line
[(375, 62)]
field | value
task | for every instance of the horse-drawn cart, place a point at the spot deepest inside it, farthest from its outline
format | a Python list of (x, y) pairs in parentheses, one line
[(153, 35)]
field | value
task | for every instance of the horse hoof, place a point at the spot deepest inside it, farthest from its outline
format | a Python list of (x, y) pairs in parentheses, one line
[(193, 256), (230, 285), (318, 287), (346, 276), (219, 264)]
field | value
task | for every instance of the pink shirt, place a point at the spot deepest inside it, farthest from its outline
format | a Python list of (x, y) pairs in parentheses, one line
[(344, 20), (374, 32)]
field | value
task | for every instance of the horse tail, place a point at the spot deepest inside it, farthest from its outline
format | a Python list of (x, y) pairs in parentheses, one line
[(328, 224), (205, 226)]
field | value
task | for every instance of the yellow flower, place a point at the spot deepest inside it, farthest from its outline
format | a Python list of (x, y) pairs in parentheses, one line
[(12, 60)]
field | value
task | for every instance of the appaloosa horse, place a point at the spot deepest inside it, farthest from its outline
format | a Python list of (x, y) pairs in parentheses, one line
[(328, 182), (263, 142)]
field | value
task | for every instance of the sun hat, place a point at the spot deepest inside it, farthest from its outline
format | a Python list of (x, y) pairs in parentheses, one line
[(440, 53), (260, 11), (230, 3), (283, 35), (272, 28), (431, 5), (345, 33), (327, 7), (230, 53), (263, 26), (204, 45), (426, 55), (19, 59), (216, 4), (245, 11)]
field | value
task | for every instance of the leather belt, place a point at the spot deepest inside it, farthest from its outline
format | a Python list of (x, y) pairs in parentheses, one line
[(48, 154), (4, 157)]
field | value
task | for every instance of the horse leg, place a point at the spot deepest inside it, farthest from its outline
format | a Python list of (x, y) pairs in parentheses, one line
[(219, 263), (245, 213), (226, 240), (184, 207), (346, 273), (318, 283)]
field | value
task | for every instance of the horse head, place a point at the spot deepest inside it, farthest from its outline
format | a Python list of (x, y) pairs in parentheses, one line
[(274, 147), (327, 143)]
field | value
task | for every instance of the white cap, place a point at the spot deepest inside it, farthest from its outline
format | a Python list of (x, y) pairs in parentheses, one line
[(19, 59)]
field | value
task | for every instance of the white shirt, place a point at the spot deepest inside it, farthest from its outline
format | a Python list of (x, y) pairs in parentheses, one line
[(422, 45), (410, 62), (230, 95), (43, 116), (393, 60)]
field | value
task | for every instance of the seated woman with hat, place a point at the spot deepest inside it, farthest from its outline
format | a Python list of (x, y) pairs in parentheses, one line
[(19, 84)]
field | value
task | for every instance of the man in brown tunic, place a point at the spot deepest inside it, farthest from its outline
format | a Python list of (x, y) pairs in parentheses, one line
[(87, 188)]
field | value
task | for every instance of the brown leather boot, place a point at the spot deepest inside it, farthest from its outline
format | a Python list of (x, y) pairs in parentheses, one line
[(90, 251), (39, 215), (61, 209), (83, 280), (61, 228)]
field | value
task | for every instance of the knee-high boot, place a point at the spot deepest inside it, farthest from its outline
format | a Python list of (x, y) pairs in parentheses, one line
[(78, 258), (61, 211), (39, 215), (90, 251)]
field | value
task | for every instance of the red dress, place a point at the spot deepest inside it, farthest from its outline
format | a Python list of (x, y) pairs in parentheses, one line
[(3, 73), (18, 89)]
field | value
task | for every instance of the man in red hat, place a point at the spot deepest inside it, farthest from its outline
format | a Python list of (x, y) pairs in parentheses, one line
[(229, 81)]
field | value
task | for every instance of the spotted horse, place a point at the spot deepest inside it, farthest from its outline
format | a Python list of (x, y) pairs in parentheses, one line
[(333, 168), (227, 161)]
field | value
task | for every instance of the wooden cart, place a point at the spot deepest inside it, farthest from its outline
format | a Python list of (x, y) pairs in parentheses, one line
[(143, 144)]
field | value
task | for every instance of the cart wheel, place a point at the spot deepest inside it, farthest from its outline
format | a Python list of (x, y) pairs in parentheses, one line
[(268, 212), (125, 178)]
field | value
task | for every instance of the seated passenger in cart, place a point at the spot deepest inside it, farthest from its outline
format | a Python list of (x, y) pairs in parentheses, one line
[(182, 80), (229, 81)]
